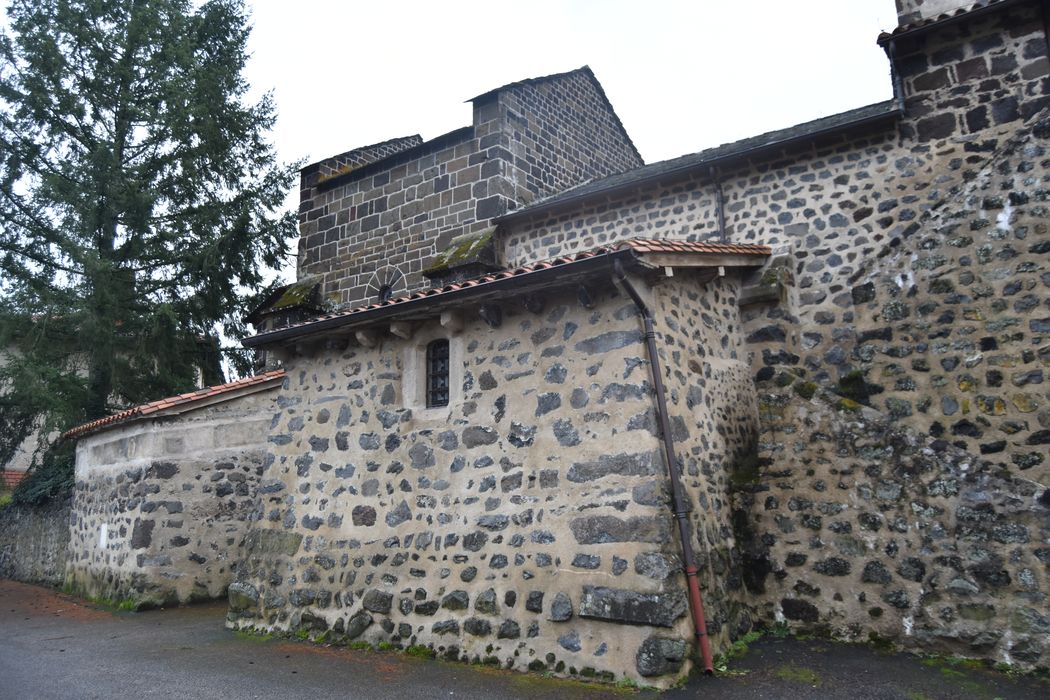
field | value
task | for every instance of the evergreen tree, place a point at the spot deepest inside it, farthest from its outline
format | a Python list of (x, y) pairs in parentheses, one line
[(139, 203)]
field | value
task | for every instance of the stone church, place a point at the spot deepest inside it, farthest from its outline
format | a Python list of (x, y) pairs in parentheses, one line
[(548, 407)]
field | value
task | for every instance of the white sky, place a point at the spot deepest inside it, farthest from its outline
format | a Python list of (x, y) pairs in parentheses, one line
[(683, 76)]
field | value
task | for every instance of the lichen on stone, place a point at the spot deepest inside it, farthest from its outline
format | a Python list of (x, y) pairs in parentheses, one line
[(463, 249), (295, 294)]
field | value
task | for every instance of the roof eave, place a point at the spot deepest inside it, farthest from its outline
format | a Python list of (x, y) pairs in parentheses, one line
[(686, 169), (429, 304), (433, 303), (177, 409), (889, 37)]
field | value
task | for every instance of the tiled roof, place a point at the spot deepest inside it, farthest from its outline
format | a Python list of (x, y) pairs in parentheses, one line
[(10, 478), (712, 156), (637, 245), (929, 22), (390, 145), (171, 402)]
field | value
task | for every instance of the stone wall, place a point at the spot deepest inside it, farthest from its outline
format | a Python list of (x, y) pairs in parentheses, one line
[(952, 326), (382, 223), (34, 543), (835, 205), (866, 530), (711, 403), (160, 507), (561, 133), (526, 523)]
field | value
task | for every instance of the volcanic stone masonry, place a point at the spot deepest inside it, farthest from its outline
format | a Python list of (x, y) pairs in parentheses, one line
[(836, 205), (887, 479), (160, 507), (520, 522)]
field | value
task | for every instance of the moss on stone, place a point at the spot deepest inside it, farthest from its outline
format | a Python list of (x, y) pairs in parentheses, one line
[(746, 469), (462, 249), (420, 651), (850, 405), (295, 294), (806, 389), (853, 386)]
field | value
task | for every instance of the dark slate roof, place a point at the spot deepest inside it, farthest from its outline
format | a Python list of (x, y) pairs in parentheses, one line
[(551, 271), (938, 21), (585, 70), (452, 138), (261, 381), (400, 143), (713, 156)]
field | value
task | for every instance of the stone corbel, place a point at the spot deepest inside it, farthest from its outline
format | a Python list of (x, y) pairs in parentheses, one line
[(452, 321), (403, 329), (533, 303), (584, 297), (367, 338)]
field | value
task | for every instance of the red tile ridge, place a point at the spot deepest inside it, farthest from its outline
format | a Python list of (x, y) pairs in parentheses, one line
[(926, 21), (638, 245), (168, 402)]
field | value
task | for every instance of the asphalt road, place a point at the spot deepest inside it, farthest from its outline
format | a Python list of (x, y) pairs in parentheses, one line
[(53, 646)]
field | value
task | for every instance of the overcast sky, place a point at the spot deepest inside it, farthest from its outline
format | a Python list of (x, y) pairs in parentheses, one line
[(683, 76)]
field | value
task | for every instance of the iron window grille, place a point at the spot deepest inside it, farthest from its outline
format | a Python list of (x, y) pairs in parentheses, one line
[(437, 373)]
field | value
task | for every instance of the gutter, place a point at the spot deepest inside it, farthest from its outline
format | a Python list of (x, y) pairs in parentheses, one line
[(680, 508), (430, 303), (934, 24)]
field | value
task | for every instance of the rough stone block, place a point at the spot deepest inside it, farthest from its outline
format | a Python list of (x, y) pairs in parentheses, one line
[(632, 607)]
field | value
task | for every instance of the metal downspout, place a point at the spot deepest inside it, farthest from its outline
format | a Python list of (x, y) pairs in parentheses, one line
[(680, 508), (895, 75)]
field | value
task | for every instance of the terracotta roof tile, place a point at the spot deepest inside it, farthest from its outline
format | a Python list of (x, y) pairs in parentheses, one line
[(161, 404), (638, 245), (943, 17)]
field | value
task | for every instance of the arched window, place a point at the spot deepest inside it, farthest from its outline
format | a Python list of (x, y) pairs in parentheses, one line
[(437, 373)]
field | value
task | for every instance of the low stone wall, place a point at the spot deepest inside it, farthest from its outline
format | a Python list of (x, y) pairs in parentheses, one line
[(862, 529), (160, 507), (34, 543)]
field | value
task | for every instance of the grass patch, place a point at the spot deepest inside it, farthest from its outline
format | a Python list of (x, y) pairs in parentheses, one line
[(798, 674), (780, 630), (421, 652), (359, 646), (735, 651), (252, 636)]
